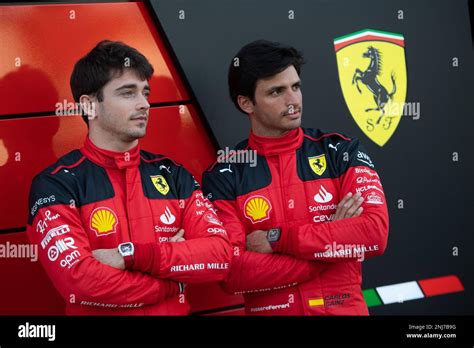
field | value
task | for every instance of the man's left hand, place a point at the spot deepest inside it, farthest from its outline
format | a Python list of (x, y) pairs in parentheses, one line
[(109, 257), (257, 241)]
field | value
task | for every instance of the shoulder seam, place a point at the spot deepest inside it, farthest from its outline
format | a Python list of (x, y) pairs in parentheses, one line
[(326, 135), (227, 157), (159, 159), (63, 166)]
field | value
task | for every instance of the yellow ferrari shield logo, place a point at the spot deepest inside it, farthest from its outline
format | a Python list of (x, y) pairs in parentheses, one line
[(318, 164), (160, 184), (373, 78)]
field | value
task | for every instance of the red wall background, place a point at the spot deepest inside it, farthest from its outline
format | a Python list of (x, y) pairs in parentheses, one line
[(40, 45)]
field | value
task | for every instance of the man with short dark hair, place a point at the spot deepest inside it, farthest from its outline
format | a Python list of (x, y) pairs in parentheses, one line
[(120, 230), (312, 208)]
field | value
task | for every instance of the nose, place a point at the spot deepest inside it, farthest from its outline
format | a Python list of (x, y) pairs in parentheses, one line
[(143, 103), (293, 98)]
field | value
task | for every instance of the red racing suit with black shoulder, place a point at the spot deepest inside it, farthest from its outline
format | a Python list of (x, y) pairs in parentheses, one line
[(295, 185), (97, 199)]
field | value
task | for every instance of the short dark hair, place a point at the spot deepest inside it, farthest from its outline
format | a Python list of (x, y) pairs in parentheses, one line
[(104, 62), (256, 60)]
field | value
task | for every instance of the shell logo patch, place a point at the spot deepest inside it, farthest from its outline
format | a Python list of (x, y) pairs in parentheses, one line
[(257, 209), (103, 221)]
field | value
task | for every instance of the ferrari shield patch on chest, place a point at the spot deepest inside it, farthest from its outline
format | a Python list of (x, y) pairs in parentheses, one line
[(373, 77), (160, 184), (318, 164)]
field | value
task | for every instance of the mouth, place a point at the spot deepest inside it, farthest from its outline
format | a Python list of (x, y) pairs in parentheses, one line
[(140, 118), (293, 115)]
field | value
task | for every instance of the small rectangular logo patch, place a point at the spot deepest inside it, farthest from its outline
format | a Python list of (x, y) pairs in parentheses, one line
[(316, 302)]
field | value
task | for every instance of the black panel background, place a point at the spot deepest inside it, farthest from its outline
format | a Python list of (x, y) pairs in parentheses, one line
[(415, 165)]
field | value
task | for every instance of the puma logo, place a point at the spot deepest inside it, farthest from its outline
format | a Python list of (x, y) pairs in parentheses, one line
[(167, 168), (225, 170)]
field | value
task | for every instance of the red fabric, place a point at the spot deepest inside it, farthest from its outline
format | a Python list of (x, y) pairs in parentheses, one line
[(90, 287), (441, 285), (299, 278)]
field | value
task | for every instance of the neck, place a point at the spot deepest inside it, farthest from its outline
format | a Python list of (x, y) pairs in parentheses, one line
[(268, 145), (111, 143), (269, 134), (110, 158)]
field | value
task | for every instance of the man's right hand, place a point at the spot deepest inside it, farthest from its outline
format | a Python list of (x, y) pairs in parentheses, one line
[(178, 237), (350, 206)]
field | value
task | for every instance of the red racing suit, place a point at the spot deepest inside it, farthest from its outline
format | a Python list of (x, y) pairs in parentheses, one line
[(295, 185), (96, 199)]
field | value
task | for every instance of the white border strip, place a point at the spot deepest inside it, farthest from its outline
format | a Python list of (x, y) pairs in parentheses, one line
[(366, 33), (399, 293)]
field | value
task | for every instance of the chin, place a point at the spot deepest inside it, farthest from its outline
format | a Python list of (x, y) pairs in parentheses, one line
[(137, 134), (293, 124)]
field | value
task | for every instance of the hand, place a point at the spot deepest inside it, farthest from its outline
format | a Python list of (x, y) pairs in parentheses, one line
[(109, 257), (178, 237), (181, 286), (257, 241), (350, 206)]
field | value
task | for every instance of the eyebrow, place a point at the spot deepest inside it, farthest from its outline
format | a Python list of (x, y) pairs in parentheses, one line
[(131, 86)]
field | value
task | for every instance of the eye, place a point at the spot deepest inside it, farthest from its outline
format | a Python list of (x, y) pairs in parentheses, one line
[(128, 93), (296, 87), (275, 92)]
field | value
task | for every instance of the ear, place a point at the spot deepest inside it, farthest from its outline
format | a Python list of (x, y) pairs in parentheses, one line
[(89, 105), (246, 104)]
